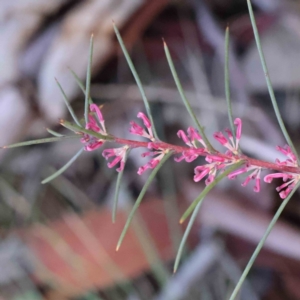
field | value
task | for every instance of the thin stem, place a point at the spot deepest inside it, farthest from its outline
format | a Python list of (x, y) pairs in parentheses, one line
[(261, 243), (267, 77), (88, 81), (227, 81), (184, 98), (136, 77), (177, 149)]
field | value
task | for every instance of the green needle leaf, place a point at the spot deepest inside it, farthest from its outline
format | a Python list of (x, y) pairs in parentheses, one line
[(227, 81), (184, 98), (208, 188), (186, 234), (40, 141), (80, 84), (88, 81), (140, 197), (262, 242), (54, 132), (65, 167), (136, 77), (78, 129), (267, 77), (118, 185), (71, 111)]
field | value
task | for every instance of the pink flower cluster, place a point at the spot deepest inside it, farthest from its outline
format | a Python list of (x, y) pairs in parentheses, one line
[(216, 161), (290, 179)]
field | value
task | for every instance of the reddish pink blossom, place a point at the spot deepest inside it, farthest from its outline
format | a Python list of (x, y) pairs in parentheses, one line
[(288, 186), (231, 144), (138, 130), (291, 161), (158, 153), (97, 125), (120, 155), (255, 175), (191, 140)]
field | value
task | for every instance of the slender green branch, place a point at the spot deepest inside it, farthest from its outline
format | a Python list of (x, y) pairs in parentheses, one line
[(64, 168), (262, 242), (140, 197), (88, 81), (184, 98), (267, 77), (227, 81), (136, 77)]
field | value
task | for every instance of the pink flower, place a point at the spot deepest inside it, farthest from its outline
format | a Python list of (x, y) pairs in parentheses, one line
[(215, 163), (96, 125), (120, 155), (231, 144), (190, 140), (291, 161), (160, 153), (138, 130)]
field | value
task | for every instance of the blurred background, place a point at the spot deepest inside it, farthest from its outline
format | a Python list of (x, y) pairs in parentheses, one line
[(57, 239)]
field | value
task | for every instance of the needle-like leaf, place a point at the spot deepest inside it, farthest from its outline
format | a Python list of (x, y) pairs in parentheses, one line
[(117, 191), (208, 188), (40, 141), (54, 132), (184, 98), (185, 235), (80, 84), (268, 80), (88, 81), (71, 111), (77, 129), (140, 197), (62, 169), (136, 77), (227, 81), (262, 242)]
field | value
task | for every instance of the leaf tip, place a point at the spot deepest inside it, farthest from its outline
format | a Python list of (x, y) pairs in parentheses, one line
[(181, 220)]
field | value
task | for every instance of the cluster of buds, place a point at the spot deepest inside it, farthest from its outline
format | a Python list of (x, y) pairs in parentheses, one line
[(216, 161)]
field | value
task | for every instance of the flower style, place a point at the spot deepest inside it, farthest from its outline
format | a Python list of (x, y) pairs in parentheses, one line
[(290, 179), (138, 130), (254, 175), (231, 145), (154, 161), (96, 125), (120, 155), (190, 140)]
